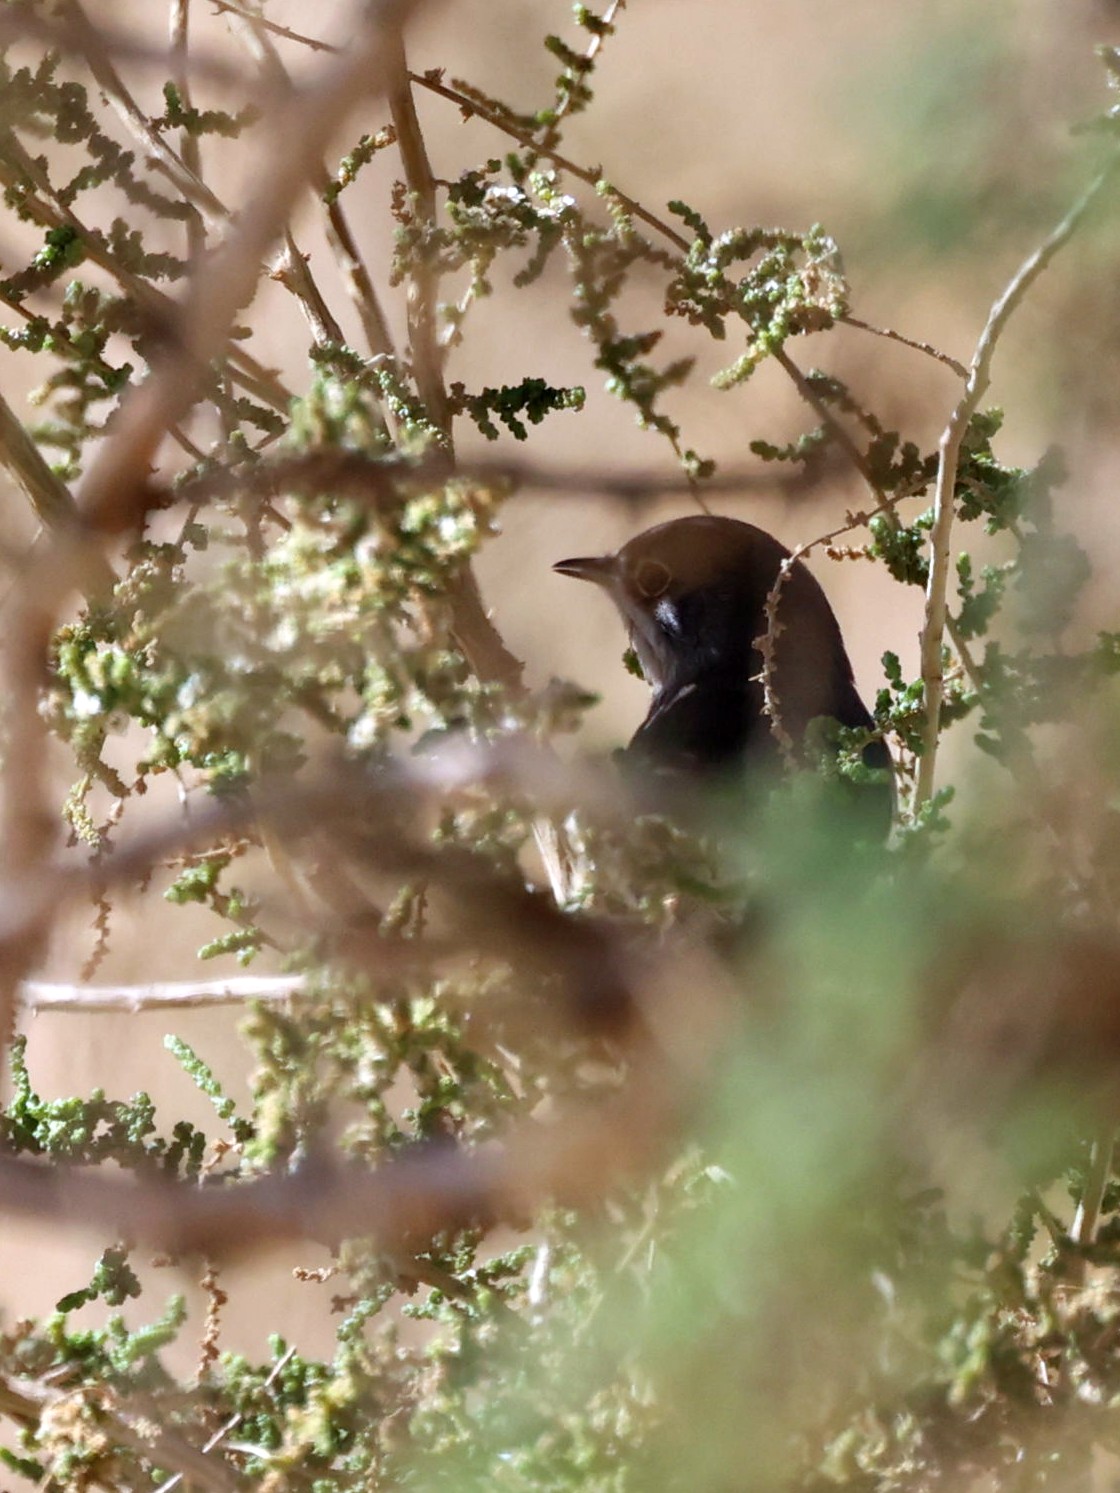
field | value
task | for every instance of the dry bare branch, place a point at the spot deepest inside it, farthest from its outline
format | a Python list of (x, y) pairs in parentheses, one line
[(892, 336), (285, 32), (949, 450), (40, 995)]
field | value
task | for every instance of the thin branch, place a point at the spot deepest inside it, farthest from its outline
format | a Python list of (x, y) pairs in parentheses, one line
[(28, 1402), (922, 347), (593, 176), (262, 383), (226, 7), (487, 909), (423, 1191), (296, 134), (640, 487), (1101, 1153), (766, 643), (475, 633), (382, 479), (552, 132), (234, 1421), (949, 452), (828, 419), (292, 270), (359, 283), (178, 40), (136, 121), (964, 653), (48, 494), (423, 284), (40, 995), (17, 169), (290, 267)]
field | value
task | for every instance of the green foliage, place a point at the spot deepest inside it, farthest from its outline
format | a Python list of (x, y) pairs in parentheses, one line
[(200, 1074), (532, 397), (351, 163), (94, 1130), (113, 1278), (178, 116), (794, 286)]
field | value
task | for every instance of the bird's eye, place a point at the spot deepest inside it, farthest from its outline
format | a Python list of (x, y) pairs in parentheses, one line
[(652, 578)]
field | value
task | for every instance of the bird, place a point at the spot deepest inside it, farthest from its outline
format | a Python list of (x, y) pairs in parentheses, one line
[(694, 594)]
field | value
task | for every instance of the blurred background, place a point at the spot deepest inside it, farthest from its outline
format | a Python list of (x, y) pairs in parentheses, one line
[(933, 142)]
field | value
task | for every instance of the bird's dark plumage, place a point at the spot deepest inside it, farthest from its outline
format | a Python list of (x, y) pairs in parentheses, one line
[(693, 593)]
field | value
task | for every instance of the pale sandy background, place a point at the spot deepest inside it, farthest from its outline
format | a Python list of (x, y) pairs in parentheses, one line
[(932, 139)]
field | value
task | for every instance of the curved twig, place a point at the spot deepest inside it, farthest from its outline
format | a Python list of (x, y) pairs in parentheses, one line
[(949, 451)]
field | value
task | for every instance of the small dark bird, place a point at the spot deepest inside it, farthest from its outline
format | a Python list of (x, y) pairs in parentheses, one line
[(693, 593)]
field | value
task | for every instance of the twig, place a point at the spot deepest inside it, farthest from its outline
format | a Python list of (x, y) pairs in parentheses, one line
[(262, 383), (226, 7), (476, 634), (290, 267), (28, 817), (592, 176), (922, 347), (552, 132), (28, 1402), (383, 480), (40, 995), (423, 287), (826, 417), (949, 450), (486, 910), (140, 1426), (234, 1421), (136, 121), (178, 38), (296, 136), (964, 653), (254, 32), (409, 1199), (293, 272), (358, 282), (18, 168), (48, 494), (1084, 1226), (766, 644)]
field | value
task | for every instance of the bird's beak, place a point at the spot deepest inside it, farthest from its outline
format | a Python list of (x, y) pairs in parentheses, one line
[(597, 568)]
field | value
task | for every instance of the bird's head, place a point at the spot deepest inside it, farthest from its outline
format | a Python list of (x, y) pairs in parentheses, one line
[(692, 592)]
